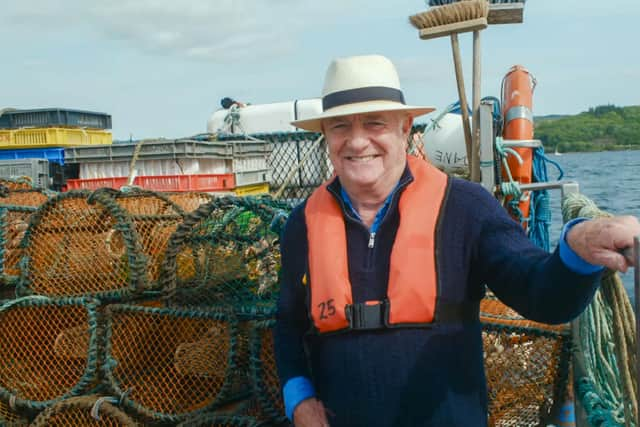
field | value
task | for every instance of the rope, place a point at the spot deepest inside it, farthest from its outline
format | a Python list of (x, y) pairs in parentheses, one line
[(132, 165), (95, 409), (605, 341)]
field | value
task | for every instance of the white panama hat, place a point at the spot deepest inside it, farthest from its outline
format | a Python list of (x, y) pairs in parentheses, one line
[(360, 84)]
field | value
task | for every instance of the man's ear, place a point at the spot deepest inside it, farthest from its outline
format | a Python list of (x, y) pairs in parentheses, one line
[(407, 124)]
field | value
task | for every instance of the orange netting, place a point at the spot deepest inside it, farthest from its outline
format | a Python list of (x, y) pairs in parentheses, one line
[(169, 363), (83, 411), (17, 208), (47, 349), (526, 365), (155, 219), (80, 245), (266, 385), (189, 201), (16, 184), (32, 198)]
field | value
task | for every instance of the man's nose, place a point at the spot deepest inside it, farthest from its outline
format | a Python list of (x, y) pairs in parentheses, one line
[(359, 138)]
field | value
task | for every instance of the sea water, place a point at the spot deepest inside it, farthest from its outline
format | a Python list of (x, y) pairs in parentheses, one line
[(610, 178)]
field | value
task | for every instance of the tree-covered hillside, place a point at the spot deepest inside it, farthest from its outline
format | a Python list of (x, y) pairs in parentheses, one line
[(605, 127)]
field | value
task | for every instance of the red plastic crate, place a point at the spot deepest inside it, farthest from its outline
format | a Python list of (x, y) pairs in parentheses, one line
[(205, 183)]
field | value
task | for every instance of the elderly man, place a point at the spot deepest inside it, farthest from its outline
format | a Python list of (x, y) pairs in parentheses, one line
[(384, 266)]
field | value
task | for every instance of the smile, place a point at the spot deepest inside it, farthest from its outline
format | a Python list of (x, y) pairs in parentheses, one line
[(361, 158)]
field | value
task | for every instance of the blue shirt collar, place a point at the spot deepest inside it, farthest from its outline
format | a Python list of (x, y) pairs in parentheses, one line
[(379, 215)]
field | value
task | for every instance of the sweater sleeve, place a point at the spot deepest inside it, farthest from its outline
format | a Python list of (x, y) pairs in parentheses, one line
[(292, 320), (536, 284)]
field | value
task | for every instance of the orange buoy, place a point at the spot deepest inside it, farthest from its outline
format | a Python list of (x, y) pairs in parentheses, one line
[(517, 112)]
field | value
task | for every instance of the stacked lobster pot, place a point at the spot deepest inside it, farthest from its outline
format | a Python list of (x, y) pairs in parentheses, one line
[(142, 308), (18, 202), (188, 164)]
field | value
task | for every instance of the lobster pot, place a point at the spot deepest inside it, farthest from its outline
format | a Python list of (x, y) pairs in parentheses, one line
[(16, 184), (84, 411), (24, 197), (217, 420), (265, 382), (16, 209), (154, 218), (189, 201), (526, 365), (82, 243), (225, 254), (286, 156), (168, 364), (48, 349)]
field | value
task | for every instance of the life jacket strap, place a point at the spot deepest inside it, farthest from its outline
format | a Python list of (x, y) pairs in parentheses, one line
[(367, 315), (375, 314)]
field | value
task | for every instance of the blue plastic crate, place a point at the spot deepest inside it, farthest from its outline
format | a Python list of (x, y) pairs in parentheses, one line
[(44, 117), (53, 155)]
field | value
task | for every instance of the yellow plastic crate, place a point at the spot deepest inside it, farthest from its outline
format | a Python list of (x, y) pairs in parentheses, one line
[(52, 137), (252, 190)]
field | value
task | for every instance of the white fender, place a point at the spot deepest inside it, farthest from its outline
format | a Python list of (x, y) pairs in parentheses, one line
[(264, 118)]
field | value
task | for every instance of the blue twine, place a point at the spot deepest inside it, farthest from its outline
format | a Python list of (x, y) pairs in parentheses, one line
[(540, 211)]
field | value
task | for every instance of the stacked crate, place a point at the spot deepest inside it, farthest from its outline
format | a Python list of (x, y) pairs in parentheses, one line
[(32, 141), (187, 164)]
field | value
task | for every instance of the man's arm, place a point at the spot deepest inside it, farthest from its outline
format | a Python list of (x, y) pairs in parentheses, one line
[(291, 326), (539, 285)]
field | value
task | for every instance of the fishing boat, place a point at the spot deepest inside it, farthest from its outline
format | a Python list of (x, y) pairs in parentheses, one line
[(143, 307)]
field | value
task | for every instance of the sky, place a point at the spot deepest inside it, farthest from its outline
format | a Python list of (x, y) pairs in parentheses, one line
[(160, 67)]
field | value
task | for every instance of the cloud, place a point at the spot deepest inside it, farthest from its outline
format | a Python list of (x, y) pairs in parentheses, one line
[(220, 30)]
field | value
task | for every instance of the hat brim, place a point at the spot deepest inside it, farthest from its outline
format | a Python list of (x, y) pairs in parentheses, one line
[(314, 124)]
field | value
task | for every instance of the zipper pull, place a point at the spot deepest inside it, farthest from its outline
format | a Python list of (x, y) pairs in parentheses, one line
[(372, 236)]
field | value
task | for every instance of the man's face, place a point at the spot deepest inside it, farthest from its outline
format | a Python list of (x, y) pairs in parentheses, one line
[(368, 150)]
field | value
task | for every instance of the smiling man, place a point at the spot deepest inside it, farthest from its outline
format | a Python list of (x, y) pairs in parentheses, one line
[(384, 266)]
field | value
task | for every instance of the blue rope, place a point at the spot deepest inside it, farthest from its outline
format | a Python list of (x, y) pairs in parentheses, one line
[(540, 212)]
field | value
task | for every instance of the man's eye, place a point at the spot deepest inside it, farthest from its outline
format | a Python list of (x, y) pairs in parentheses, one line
[(375, 124)]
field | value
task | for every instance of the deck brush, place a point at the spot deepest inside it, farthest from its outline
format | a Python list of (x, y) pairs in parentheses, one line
[(464, 10)]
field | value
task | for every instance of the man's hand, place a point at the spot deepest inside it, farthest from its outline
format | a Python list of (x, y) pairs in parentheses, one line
[(601, 241), (310, 413)]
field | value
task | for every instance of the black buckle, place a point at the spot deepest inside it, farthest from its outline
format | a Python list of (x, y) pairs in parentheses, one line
[(366, 315)]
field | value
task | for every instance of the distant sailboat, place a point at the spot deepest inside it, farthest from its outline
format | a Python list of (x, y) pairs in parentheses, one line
[(557, 153)]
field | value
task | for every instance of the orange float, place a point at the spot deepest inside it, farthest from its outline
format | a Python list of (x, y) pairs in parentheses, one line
[(517, 112)]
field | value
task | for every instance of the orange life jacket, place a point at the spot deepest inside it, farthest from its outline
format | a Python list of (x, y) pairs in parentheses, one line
[(412, 287)]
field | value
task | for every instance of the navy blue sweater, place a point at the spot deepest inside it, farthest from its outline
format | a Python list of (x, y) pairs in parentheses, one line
[(420, 376)]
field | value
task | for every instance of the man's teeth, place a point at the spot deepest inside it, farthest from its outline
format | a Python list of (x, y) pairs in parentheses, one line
[(361, 158)]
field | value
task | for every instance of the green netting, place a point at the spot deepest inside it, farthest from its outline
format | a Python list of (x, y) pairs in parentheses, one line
[(217, 420), (604, 355), (226, 254)]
